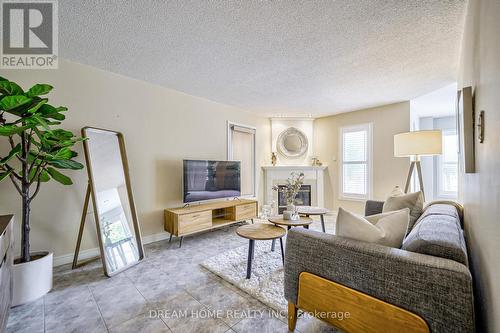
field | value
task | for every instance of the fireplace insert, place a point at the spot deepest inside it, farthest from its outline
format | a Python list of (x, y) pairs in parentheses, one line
[(303, 198)]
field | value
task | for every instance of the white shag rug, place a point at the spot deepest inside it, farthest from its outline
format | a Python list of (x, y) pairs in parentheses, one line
[(267, 280)]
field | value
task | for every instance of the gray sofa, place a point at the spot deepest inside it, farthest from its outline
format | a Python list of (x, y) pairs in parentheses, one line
[(428, 276)]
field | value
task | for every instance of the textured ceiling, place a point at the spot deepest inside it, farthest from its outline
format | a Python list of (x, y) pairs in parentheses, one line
[(439, 103), (272, 57)]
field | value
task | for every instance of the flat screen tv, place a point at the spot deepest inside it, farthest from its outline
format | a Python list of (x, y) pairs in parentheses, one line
[(208, 180)]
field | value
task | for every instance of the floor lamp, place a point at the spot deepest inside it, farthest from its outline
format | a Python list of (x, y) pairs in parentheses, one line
[(416, 144)]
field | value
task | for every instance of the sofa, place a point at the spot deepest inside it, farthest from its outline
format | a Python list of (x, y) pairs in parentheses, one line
[(424, 286)]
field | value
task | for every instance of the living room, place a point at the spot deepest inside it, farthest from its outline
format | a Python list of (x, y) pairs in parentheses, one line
[(356, 143)]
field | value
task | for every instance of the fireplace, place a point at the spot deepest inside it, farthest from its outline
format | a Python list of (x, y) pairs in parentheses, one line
[(303, 198), (313, 181)]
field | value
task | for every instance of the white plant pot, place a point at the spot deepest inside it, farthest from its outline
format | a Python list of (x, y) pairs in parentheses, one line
[(33, 279)]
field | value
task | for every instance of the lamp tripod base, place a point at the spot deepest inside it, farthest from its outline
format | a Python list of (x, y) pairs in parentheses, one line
[(419, 174)]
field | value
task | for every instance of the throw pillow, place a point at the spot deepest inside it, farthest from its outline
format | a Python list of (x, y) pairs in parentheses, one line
[(387, 229), (399, 200)]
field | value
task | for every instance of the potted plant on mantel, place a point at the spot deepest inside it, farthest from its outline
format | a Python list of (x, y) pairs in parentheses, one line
[(37, 152), (290, 191)]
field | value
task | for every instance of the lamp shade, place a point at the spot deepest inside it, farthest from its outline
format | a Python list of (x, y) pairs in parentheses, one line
[(418, 143)]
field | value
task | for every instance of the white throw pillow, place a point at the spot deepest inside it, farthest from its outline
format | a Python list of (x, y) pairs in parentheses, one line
[(398, 200), (387, 229)]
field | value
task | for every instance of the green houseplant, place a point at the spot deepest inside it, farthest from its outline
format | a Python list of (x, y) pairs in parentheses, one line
[(38, 149)]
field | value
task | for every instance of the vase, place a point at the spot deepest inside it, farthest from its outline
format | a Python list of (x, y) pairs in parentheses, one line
[(266, 212), (290, 212)]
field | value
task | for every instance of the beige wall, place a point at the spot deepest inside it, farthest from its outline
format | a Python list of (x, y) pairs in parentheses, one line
[(388, 171), (480, 68), (161, 127)]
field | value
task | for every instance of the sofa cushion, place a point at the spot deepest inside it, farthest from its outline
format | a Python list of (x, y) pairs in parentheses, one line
[(399, 200), (441, 209), (438, 235), (387, 229)]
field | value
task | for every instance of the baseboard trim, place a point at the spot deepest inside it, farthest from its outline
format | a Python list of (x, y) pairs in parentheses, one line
[(83, 255), (155, 237), (92, 253)]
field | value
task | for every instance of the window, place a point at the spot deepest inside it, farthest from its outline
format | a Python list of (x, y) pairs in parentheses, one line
[(355, 166), (241, 147), (447, 165)]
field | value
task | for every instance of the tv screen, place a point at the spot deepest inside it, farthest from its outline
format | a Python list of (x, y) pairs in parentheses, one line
[(207, 180)]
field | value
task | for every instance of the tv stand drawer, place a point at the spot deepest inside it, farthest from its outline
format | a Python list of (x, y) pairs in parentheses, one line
[(246, 211), (195, 221)]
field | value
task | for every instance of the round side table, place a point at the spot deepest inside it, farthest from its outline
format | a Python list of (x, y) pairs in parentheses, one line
[(301, 222), (260, 231), (279, 220), (309, 211)]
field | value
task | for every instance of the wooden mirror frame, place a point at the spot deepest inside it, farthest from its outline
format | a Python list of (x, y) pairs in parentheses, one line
[(133, 211)]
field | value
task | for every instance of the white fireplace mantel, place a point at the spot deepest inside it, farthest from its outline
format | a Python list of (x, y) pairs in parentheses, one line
[(313, 175), (294, 167)]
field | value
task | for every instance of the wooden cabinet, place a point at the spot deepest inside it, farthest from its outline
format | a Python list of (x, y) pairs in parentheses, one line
[(190, 223), (246, 211), (191, 219), (6, 262)]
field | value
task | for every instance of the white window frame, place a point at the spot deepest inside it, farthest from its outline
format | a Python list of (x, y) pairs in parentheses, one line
[(369, 162), (230, 126), (440, 193)]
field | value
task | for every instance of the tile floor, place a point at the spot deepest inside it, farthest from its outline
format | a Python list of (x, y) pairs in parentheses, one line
[(168, 292)]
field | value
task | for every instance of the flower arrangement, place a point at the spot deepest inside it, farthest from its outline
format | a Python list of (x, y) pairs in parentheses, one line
[(292, 187)]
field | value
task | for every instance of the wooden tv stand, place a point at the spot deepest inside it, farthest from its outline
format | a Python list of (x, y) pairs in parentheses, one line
[(188, 220)]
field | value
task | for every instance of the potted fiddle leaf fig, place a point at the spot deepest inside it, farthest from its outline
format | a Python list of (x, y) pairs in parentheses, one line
[(38, 151)]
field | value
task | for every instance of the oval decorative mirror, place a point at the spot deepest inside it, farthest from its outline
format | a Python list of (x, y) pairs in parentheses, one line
[(292, 142)]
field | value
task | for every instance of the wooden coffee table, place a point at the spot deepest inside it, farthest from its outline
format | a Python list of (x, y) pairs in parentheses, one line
[(260, 231), (301, 222), (309, 210)]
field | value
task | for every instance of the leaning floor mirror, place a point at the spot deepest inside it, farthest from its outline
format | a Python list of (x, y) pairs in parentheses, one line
[(114, 209)]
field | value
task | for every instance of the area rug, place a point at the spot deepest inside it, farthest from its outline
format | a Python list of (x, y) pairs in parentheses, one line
[(266, 283)]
